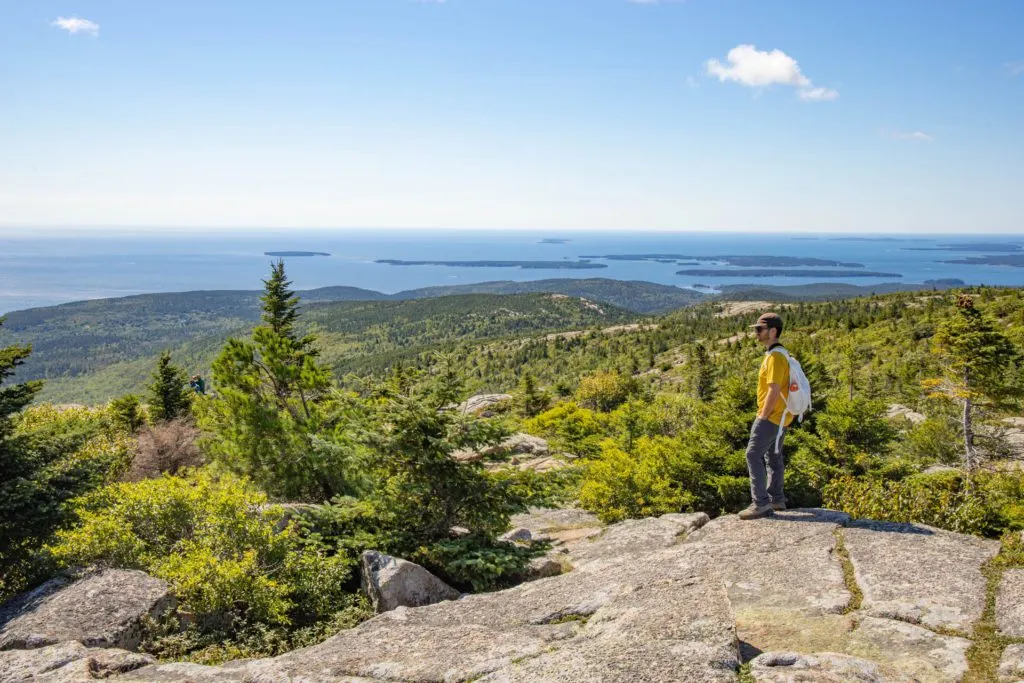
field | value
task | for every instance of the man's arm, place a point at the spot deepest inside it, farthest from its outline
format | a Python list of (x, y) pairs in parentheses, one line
[(774, 394)]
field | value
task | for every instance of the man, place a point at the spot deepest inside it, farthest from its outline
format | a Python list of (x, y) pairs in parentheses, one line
[(764, 461)]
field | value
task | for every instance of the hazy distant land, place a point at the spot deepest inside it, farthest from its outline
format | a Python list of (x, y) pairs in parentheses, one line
[(780, 272), (554, 240), (295, 253), (759, 261), (969, 246), (1015, 260), (529, 265)]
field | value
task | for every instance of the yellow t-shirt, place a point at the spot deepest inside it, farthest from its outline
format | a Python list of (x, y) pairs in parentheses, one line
[(774, 370)]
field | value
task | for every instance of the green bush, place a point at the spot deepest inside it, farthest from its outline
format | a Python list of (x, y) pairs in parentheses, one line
[(946, 500), (225, 552), (476, 562), (571, 428), (656, 478), (52, 456), (605, 391)]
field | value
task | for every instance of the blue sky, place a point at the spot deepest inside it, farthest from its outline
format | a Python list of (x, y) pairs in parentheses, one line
[(748, 115)]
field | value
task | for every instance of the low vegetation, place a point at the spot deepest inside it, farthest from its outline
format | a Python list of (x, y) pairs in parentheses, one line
[(330, 430)]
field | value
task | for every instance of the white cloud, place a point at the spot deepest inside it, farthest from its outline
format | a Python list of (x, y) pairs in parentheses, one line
[(915, 135), (76, 25), (818, 94), (1015, 68), (755, 68)]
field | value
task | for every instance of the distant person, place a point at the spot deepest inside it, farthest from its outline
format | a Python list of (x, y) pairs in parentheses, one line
[(198, 385), (764, 451)]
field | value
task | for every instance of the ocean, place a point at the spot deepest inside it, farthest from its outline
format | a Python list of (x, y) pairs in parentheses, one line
[(46, 270)]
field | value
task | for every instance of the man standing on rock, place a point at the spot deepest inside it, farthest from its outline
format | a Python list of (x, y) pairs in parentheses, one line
[(764, 459)]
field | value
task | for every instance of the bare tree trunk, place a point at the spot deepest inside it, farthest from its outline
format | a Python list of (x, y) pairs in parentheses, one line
[(969, 452)]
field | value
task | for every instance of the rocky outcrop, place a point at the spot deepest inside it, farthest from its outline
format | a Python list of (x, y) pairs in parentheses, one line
[(1011, 664), (102, 610), (673, 598), (391, 582), (901, 412), (481, 402), (888, 559), (68, 662), (827, 667), (1010, 604)]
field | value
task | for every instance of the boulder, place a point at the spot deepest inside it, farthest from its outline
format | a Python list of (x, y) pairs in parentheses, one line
[(66, 662), (100, 610), (543, 567), (635, 537), (392, 582), (825, 667), (519, 535), (519, 444), (887, 561), (548, 523), (480, 402), (1011, 664), (1010, 604), (897, 411)]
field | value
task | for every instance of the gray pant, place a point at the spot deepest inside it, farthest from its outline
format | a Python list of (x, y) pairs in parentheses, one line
[(764, 464)]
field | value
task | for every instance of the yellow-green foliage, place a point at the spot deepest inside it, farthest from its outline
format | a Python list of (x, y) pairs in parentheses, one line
[(214, 539), (653, 479), (572, 428), (984, 504), (605, 390), (54, 455)]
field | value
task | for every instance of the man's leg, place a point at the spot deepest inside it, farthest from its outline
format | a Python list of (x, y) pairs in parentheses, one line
[(776, 470), (762, 438)]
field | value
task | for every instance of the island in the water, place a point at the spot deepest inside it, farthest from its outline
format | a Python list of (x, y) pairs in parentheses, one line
[(781, 272), (1014, 260), (295, 253), (970, 246), (946, 282), (881, 239), (530, 265), (759, 261), (554, 240)]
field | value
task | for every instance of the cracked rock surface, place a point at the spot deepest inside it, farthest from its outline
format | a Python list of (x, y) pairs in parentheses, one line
[(673, 598)]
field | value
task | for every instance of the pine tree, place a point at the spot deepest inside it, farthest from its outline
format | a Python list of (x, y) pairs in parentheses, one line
[(169, 393), (531, 399), (703, 373), (22, 498), (977, 357), (275, 402)]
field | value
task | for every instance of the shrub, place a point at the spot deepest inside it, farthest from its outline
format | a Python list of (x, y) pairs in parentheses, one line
[(165, 448), (477, 562), (572, 428), (945, 500), (656, 478), (215, 541), (605, 391), (128, 413), (52, 456)]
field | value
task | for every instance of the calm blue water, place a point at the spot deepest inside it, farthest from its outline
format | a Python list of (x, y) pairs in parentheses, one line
[(41, 271)]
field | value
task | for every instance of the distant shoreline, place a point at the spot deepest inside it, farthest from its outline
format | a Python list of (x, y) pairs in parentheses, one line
[(295, 253), (529, 265), (778, 272)]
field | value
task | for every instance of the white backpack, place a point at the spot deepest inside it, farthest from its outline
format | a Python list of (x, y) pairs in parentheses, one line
[(798, 402)]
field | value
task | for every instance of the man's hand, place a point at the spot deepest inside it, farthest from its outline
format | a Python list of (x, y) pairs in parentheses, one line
[(774, 394)]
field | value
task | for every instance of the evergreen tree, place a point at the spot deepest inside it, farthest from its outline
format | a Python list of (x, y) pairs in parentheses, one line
[(169, 394), (703, 373), (977, 358), (531, 399), (276, 419)]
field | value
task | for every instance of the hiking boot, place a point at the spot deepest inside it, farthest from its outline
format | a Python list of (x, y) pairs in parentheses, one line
[(778, 507), (756, 511)]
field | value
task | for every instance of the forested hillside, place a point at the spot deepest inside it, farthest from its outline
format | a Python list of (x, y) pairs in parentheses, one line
[(352, 412)]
